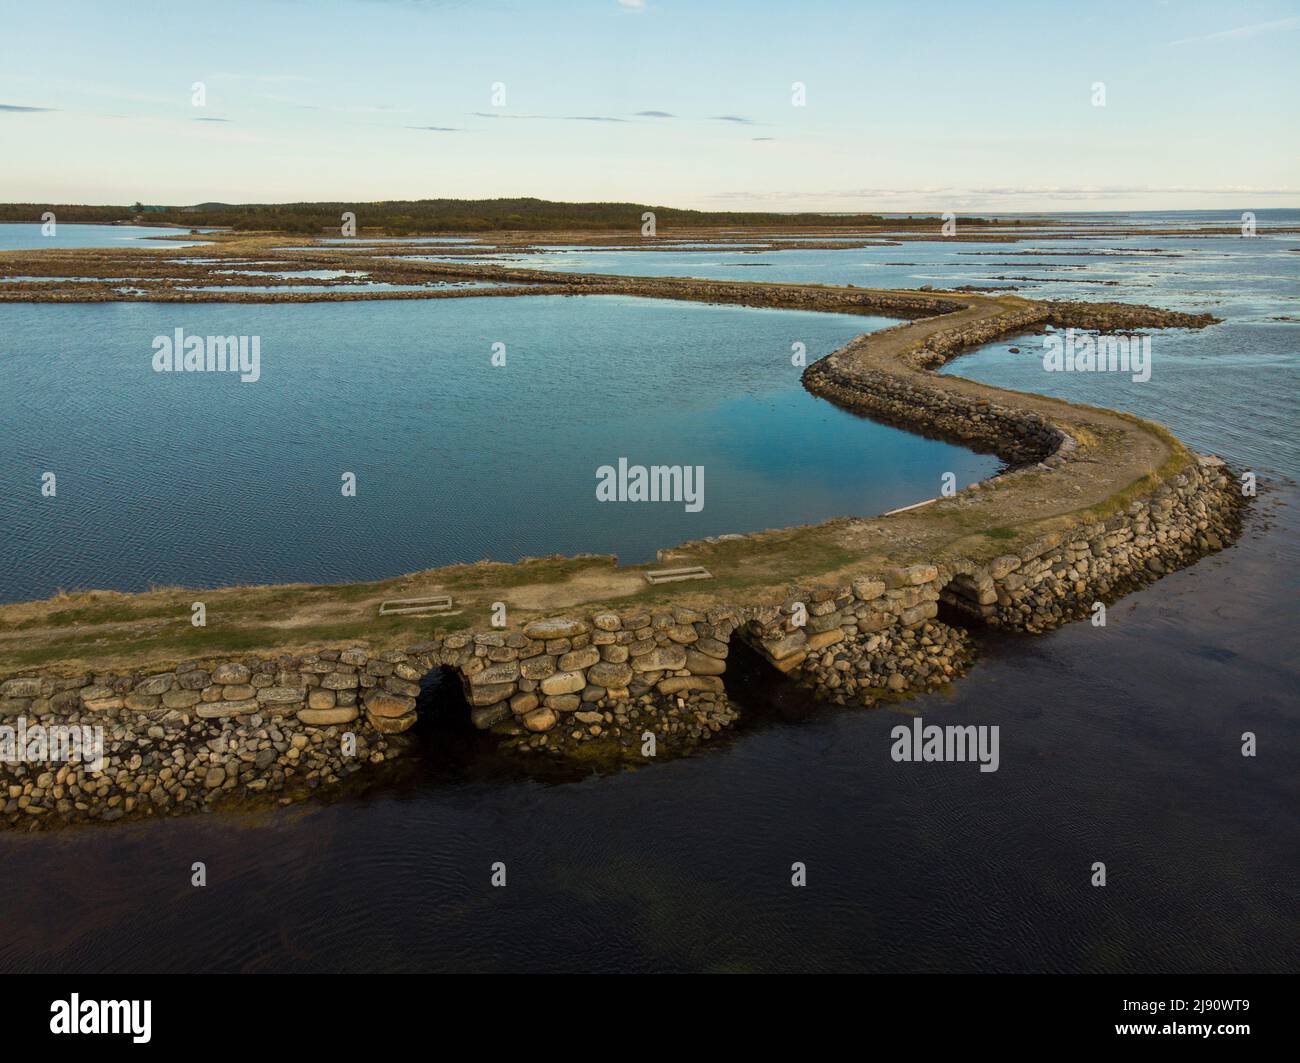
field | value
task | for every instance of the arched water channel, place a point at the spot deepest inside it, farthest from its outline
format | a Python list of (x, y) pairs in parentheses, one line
[(1119, 743)]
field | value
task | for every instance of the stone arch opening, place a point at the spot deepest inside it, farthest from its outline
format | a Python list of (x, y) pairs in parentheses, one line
[(441, 704), (763, 692), (967, 600), (444, 731)]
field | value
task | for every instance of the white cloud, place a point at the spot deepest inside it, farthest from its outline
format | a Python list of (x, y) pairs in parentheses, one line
[(1282, 25)]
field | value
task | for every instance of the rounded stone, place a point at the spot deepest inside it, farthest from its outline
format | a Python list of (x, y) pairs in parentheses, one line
[(542, 719), (485, 716), (556, 628), (564, 683), (155, 684), (538, 667), (523, 702), (327, 717), (389, 706), (609, 674), (230, 673), (320, 699), (391, 725), (576, 660)]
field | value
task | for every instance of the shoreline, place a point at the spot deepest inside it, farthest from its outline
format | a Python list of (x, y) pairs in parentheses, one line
[(848, 608)]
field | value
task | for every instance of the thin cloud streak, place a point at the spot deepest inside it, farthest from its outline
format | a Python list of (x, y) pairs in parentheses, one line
[(1242, 33), (550, 117)]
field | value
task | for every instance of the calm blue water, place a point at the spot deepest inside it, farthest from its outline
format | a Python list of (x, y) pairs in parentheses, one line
[(1119, 744), (360, 286), (199, 479), (14, 237)]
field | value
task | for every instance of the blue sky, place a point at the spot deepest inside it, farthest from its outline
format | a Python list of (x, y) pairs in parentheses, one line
[(909, 106)]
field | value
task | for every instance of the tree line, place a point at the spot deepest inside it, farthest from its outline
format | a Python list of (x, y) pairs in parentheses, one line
[(422, 216)]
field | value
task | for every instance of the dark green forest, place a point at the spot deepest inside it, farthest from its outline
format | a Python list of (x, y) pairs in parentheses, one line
[(422, 216)]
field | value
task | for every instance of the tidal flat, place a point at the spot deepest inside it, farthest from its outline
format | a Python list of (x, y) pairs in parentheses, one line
[(1111, 705)]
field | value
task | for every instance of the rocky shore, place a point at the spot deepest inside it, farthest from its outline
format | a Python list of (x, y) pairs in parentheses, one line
[(897, 661), (601, 681), (172, 762)]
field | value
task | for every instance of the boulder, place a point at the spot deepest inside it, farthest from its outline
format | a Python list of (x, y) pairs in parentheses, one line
[(609, 674), (221, 710), (576, 660), (383, 704), (230, 672), (556, 628), (711, 648), (700, 664), (391, 725), (20, 688), (155, 684), (676, 684), (538, 667), (485, 716), (320, 699), (787, 646), (327, 717), (564, 683), (281, 695), (866, 589), (524, 702), (660, 658), (542, 719), (503, 672), (825, 638)]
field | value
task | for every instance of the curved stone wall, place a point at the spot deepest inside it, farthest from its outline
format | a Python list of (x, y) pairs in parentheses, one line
[(184, 737)]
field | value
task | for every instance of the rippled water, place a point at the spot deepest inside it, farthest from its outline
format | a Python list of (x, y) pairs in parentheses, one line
[(1118, 744), (15, 237)]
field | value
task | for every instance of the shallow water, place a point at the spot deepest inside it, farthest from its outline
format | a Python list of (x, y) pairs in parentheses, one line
[(1184, 267), (15, 237), (1118, 744), (360, 286)]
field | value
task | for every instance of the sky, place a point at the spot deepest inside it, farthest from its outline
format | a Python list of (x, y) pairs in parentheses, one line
[(689, 103)]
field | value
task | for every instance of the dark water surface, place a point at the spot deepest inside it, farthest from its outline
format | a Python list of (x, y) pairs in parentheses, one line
[(1119, 744)]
